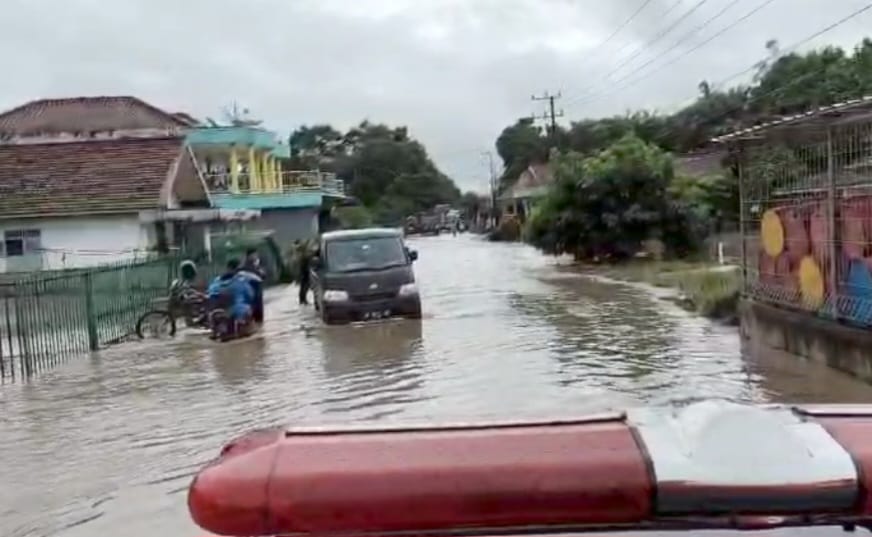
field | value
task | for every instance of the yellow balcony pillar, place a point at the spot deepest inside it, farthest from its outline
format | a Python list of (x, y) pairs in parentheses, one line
[(279, 175), (267, 177), (234, 170), (262, 175), (274, 170), (253, 175)]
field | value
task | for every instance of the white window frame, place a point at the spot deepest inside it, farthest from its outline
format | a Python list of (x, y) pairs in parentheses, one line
[(31, 241)]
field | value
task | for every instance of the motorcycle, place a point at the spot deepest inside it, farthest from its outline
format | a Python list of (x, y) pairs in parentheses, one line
[(222, 327), (183, 302)]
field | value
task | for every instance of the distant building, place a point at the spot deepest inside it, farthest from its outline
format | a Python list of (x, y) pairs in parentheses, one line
[(88, 180), (531, 184), (246, 167), (66, 205), (89, 118), (701, 163), (92, 180)]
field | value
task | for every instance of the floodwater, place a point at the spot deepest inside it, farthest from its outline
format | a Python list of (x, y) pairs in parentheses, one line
[(107, 445)]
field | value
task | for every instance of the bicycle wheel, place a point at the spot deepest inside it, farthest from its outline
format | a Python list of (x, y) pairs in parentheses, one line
[(156, 324)]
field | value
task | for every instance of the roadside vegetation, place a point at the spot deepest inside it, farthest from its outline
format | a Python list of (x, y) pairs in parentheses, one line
[(386, 170), (707, 289), (616, 186)]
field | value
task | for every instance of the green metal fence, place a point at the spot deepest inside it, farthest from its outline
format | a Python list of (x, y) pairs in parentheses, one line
[(49, 317)]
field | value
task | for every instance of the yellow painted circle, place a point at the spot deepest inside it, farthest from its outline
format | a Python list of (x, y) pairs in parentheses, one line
[(811, 283), (772, 233)]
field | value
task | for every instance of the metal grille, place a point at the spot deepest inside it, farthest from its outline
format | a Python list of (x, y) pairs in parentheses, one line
[(806, 210)]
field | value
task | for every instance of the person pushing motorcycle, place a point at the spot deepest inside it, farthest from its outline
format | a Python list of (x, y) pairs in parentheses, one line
[(232, 292)]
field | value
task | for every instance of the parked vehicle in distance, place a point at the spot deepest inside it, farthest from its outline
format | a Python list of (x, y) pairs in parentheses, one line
[(364, 274)]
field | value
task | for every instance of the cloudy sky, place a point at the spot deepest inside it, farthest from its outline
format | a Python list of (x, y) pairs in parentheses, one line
[(455, 71)]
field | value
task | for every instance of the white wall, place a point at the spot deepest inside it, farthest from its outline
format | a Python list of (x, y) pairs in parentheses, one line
[(83, 241)]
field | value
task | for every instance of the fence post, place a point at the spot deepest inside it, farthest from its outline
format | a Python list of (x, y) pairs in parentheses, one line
[(743, 192), (832, 219), (91, 314)]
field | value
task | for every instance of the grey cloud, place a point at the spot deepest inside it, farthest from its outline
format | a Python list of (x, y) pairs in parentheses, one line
[(454, 71)]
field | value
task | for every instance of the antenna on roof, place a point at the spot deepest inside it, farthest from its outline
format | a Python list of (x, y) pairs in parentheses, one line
[(237, 118)]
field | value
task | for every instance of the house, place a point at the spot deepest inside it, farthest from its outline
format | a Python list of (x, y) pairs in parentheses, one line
[(89, 118), (246, 167), (74, 204), (700, 163), (531, 184), (88, 180)]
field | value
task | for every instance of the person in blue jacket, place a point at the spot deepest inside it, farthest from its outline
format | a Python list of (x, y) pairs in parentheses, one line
[(233, 292)]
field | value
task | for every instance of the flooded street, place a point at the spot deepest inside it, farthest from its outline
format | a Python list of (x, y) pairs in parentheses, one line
[(107, 445)]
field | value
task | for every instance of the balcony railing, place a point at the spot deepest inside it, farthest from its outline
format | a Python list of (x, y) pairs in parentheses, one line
[(278, 183)]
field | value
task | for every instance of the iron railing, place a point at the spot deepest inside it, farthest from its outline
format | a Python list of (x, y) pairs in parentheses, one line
[(806, 211), (49, 317), (279, 183)]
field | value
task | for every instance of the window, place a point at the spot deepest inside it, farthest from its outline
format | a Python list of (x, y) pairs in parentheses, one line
[(21, 242), (375, 253)]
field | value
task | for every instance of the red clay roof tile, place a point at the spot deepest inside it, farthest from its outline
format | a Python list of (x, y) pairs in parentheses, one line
[(85, 115), (94, 177)]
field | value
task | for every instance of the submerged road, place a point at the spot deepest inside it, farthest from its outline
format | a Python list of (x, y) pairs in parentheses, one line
[(107, 445)]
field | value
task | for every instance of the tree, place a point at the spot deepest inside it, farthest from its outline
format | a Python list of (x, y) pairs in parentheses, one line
[(605, 205), (389, 172), (520, 145)]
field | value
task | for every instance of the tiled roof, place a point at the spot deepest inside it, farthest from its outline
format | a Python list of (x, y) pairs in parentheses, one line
[(803, 120), (85, 114), (186, 118), (94, 177), (701, 163), (532, 182)]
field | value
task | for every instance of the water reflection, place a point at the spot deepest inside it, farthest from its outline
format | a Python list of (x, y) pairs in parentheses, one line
[(240, 362), (106, 446), (373, 367)]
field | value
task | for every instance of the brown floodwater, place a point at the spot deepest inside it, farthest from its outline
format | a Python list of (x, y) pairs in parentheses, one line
[(106, 445)]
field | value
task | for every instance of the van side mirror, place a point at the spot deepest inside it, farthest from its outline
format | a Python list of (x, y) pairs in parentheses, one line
[(413, 255)]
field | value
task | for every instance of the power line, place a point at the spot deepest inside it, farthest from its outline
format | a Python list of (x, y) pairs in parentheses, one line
[(621, 27), (805, 40), (792, 82), (550, 97), (724, 30), (664, 15), (656, 38), (627, 21)]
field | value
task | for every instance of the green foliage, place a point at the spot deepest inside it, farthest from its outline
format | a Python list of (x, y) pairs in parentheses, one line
[(509, 230), (389, 172), (604, 206), (353, 217), (784, 84), (519, 145)]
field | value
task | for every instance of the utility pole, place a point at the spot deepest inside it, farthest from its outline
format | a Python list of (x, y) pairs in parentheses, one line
[(493, 183), (552, 114)]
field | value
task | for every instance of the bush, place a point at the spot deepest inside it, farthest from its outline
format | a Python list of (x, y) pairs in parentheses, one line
[(509, 230), (605, 206)]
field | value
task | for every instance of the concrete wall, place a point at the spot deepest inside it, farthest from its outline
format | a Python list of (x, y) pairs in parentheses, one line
[(288, 224), (79, 241), (767, 328)]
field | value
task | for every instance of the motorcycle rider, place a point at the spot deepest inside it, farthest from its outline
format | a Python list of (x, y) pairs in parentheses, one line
[(233, 292), (254, 273)]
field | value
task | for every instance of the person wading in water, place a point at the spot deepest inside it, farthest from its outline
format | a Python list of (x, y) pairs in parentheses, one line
[(304, 257)]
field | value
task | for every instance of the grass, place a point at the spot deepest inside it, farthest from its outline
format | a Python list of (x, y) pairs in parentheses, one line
[(705, 288)]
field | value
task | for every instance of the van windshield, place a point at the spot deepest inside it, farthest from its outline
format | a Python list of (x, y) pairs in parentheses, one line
[(365, 254)]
